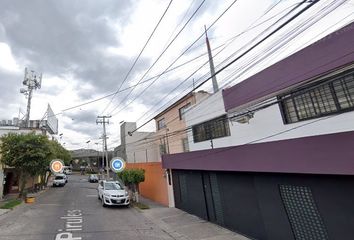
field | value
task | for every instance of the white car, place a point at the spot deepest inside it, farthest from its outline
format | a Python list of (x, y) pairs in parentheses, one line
[(68, 171), (112, 193), (59, 180)]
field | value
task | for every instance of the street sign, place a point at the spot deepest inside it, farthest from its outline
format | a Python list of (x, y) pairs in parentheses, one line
[(117, 165), (56, 166)]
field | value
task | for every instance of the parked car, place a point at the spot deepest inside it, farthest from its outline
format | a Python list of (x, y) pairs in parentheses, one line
[(63, 175), (112, 193), (59, 180), (67, 170), (93, 178)]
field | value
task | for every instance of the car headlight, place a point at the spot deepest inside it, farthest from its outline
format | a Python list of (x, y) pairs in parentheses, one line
[(106, 194), (126, 193)]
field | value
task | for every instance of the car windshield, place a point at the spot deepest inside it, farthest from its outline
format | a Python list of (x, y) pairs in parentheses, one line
[(93, 176), (112, 186), (58, 177)]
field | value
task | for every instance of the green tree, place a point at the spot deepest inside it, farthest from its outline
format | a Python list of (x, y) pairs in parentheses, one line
[(28, 153), (132, 178), (59, 152)]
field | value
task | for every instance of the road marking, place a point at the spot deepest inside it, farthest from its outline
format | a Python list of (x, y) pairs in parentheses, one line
[(73, 223)]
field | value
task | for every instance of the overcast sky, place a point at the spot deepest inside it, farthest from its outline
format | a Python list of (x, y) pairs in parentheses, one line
[(85, 49)]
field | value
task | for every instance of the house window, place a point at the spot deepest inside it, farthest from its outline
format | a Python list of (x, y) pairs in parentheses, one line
[(182, 110), (216, 128), (161, 124), (163, 149), (327, 97), (185, 145)]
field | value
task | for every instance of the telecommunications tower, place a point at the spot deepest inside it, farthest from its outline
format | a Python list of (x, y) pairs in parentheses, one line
[(32, 81)]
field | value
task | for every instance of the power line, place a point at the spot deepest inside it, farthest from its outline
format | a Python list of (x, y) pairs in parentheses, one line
[(161, 54), (262, 107), (186, 50), (229, 42), (254, 46), (141, 51)]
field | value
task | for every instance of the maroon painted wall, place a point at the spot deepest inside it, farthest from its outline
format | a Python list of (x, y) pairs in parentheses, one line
[(330, 53)]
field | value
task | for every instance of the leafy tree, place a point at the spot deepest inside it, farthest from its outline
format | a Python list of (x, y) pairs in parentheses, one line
[(59, 152), (28, 153), (132, 178)]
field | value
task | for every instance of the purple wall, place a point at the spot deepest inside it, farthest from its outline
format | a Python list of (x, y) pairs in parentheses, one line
[(331, 52), (324, 154)]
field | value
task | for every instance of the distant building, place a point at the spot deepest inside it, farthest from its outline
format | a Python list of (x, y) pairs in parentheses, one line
[(89, 159)]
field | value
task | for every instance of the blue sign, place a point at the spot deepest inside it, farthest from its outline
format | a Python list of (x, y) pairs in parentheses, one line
[(117, 165)]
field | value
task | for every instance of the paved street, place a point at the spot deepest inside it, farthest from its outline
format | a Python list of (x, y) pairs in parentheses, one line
[(76, 207)]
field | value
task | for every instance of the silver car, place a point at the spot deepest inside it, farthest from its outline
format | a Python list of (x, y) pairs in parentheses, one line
[(59, 180), (112, 193)]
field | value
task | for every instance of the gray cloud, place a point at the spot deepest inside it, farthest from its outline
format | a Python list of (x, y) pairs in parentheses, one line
[(69, 38), (60, 37), (10, 84), (80, 117)]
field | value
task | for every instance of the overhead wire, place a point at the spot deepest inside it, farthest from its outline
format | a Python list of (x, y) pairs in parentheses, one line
[(250, 27), (276, 102), (252, 47), (141, 51), (161, 54), (186, 50)]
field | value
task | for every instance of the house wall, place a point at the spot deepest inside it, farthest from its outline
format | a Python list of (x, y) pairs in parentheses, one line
[(251, 203), (137, 147), (207, 109), (154, 187), (263, 125)]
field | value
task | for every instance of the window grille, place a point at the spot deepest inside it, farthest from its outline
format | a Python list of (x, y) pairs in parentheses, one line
[(331, 96), (215, 128)]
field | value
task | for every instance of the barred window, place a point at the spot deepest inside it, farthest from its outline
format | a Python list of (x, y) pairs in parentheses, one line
[(327, 97), (216, 128)]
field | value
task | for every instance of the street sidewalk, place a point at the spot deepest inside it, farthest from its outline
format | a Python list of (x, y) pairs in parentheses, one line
[(183, 226), (14, 196)]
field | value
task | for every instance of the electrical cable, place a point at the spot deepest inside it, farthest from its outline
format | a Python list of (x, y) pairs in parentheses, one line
[(254, 46), (137, 58), (179, 56), (161, 54)]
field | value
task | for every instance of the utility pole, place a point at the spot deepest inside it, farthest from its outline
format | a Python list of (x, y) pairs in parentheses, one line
[(33, 82), (103, 120), (211, 63)]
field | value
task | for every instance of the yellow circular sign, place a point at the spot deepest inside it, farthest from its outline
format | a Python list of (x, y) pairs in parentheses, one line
[(56, 165)]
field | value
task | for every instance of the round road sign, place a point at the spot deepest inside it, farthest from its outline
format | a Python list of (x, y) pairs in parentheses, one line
[(56, 166), (117, 164)]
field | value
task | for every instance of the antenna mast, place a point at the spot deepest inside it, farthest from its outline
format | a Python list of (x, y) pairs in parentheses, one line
[(33, 81)]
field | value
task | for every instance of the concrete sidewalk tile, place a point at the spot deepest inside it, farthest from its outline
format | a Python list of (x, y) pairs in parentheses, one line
[(182, 220), (4, 211), (162, 212), (202, 231)]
